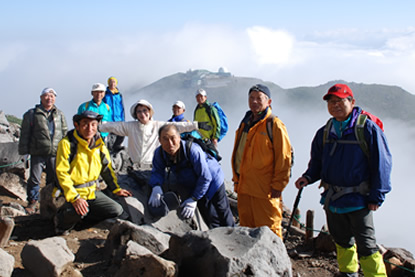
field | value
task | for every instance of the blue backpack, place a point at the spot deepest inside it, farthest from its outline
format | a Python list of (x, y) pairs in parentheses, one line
[(222, 117)]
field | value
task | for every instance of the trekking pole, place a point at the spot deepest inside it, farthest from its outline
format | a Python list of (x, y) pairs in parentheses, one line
[(297, 200)]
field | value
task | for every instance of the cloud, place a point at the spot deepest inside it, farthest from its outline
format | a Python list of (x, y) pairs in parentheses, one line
[(271, 46)]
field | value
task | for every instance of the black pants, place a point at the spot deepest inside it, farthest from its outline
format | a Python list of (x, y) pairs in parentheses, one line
[(216, 212)]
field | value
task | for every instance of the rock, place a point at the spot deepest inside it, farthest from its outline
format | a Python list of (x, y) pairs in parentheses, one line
[(172, 223), (147, 236), (13, 210), (49, 205), (13, 185), (48, 257), (324, 241), (227, 251), (6, 264), (139, 261), (6, 229), (392, 267)]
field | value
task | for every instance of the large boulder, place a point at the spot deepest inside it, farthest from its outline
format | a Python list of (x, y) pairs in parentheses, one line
[(123, 231), (226, 251), (48, 257)]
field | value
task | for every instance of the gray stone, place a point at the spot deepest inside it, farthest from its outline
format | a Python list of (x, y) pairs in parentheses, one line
[(6, 229), (147, 236), (6, 264), (13, 209), (48, 203), (13, 185), (48, 257), (139, 261), (226, 251)]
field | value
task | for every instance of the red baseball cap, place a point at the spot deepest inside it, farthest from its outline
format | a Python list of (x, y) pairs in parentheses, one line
[(339, 90)]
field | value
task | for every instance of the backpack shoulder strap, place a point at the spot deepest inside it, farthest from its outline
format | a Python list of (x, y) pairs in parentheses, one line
[(269, 123), (73, 146), (359, 130), (108, 107), (326, 130), (86, 105)]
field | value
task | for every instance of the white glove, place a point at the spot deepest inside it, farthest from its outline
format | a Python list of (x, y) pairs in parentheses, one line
[(189, 206), (155, 196)]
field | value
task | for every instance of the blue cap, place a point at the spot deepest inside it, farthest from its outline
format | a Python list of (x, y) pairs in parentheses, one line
[(261, 88)]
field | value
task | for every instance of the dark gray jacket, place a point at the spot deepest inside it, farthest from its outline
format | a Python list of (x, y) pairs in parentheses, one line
[(35, 138)]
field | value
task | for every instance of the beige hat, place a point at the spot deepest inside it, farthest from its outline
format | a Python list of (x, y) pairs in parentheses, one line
[(47, 90), (98, 87), (144, 103), (179, 104)]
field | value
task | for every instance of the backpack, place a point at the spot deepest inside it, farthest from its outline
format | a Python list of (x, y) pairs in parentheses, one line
[(269, 132), (224, 127), (207, 146), (359, 129)]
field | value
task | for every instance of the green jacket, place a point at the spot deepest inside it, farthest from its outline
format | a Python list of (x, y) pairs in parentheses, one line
[(35, 138), (207, 113)]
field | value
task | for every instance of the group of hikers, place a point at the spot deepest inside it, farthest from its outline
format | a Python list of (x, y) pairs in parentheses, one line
[(349, 156)]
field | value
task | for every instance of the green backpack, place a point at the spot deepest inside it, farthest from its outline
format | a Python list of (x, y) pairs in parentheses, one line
[(359, 129)]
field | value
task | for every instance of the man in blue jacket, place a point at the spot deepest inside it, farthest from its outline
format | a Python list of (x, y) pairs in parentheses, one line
[(199, 179), (355, 182)]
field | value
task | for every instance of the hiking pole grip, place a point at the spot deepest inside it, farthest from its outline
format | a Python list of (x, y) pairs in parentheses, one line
[(296, 202)]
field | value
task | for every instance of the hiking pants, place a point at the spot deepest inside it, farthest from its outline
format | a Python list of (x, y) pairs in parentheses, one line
[(100, 208), (256, 212), (37, 165), (216, 212), (357, 228)]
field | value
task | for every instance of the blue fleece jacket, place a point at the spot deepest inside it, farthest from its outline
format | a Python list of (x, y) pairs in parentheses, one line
[(199, 174)]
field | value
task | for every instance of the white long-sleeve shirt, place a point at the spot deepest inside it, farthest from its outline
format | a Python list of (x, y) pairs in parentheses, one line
[(143, 138)]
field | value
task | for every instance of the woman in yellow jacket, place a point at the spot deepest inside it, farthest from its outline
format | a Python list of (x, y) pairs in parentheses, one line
[(261, 163), (81, 158)]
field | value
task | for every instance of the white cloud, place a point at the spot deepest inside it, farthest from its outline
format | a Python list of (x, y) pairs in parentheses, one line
[(271, 46)]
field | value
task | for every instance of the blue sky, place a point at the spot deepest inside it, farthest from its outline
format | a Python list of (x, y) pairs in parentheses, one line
[(69, 45)]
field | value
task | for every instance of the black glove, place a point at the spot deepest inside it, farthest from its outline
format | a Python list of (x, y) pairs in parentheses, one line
[(204, 126)]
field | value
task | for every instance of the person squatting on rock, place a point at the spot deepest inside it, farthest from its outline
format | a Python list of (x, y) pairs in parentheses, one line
[(97, 105), (42, 128), (81, 159), (199, 179), (355, 182), (261, 163), (113, 98), (143, 134)]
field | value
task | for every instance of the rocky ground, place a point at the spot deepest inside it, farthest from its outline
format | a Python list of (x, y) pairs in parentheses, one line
[(88, 246)]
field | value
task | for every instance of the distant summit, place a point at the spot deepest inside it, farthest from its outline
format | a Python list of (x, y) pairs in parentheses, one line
[(382, 100), (207, 79)]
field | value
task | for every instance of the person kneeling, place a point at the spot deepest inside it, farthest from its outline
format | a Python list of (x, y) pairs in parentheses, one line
[(199, 180), (81, 159)]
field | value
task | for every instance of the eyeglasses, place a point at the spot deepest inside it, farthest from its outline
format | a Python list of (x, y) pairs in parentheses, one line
[(336, 101), (142, 111)]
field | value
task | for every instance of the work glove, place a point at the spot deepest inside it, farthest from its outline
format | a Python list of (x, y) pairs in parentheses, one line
[(155, 197), (204, 126), (188, 208)]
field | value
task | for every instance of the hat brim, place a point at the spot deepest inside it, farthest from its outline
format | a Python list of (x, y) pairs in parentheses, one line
[(79, 117)]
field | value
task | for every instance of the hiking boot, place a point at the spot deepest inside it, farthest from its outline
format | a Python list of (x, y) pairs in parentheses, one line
[(32, 207)]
